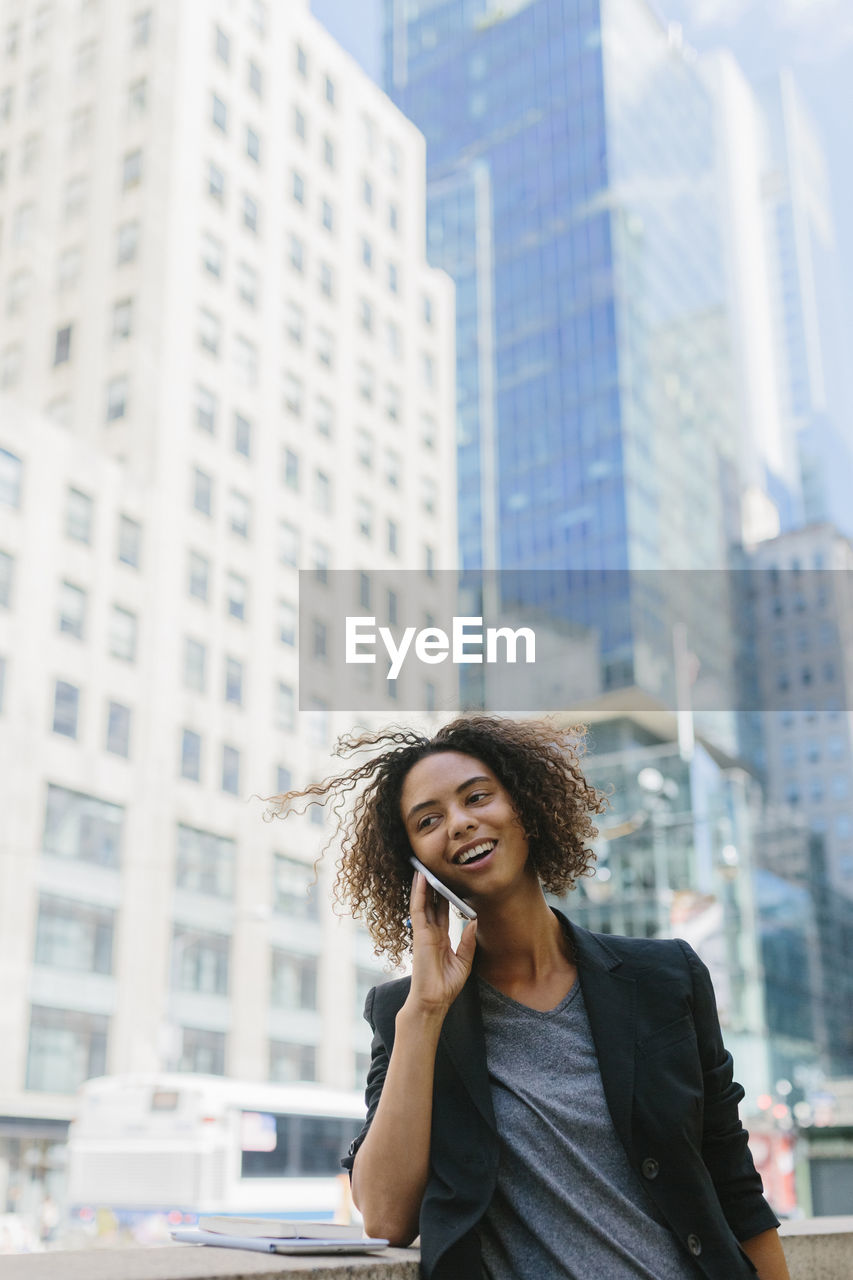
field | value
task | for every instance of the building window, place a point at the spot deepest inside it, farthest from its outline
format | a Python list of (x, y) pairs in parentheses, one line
[(202, 1052), (219, 113), (127, 242), (118, 729), (24, 221), (191, 755), (250, 213), (242, 435), (366, 381), (291, 470), (393, 538), (426, 303), (286, 622), (297, 254), (199, 573), (327, 215), (393, 468), (205, 409), (247, 284), (7, 571), (297, 187), (82, 827), (122, 634), (283, 780), (294, 981), (75, 936), (212, 255), (11, 470), (62, 345), (294, 321), (364, 517), (72, 610), (392, 402), (299, 128), (320, 561), (290, 1063), (137, 98), (116, 398), (246, 361), (294, 888), (365, 315), (200, 961), (288, 544), (236, 597), (329, 91), (231, 770), (326, 280), (301, 61), (324, 417), (325, 347), (215, 183), (222, 46), (131, 170), (122, 319), (234, 681), (79, 515), (364, 447), (195, 660), (209, 331), (393, 218), (141, 29), (205, 863), (366, 253), (65, 1048), (256, 79), (322, 492), (253, 145), (202, 492), (66, 707), (393, 278), (285, 707)]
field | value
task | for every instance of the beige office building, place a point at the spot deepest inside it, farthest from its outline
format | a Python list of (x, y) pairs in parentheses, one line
[(223, 358)]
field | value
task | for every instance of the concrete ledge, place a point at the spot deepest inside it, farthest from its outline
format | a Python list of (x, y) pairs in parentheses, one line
[(819, 1248), (198, 1262), (815, 1248)]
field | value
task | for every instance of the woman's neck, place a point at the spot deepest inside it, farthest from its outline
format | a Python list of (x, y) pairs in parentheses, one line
[(521, 941)]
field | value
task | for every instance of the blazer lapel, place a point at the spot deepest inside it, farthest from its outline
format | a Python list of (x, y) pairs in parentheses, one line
[(610, 1000), (463, 1039)]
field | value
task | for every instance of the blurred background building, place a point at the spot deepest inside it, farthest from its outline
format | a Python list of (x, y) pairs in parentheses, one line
[(223, 359)]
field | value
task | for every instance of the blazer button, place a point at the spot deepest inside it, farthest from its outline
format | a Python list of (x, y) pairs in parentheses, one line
[(650, 1167), (694, 1244)]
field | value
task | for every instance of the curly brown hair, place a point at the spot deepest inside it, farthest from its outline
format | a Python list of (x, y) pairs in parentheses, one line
[(536, 762)]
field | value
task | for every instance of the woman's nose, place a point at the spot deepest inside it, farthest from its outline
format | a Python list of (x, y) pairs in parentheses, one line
[(461, 822)]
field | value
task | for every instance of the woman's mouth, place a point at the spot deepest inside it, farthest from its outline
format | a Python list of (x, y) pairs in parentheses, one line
[(476, 853)]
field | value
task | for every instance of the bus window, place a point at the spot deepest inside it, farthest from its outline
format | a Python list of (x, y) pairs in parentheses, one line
[(321, 1144), (305, 1146)]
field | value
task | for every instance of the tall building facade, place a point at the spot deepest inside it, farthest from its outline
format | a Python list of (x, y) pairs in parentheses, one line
[(807, 305), (571, 196), (224, 359)]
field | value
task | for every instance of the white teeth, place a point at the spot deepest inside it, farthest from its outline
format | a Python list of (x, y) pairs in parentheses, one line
[(485, 847)]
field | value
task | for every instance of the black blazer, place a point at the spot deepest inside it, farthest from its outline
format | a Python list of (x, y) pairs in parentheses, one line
[(668, 1083)]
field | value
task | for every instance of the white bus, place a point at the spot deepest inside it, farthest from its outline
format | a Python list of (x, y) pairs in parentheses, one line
[(148, 1149)]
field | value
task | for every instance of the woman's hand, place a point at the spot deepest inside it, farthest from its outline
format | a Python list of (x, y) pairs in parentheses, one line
[(438, 972)]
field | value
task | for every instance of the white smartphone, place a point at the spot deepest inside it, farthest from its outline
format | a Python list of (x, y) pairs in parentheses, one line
[(452, 898)]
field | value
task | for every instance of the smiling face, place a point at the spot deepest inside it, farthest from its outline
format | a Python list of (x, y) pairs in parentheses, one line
[(462, 825)]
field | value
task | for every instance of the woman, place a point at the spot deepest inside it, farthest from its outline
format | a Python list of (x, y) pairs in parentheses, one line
[(544, 1101)]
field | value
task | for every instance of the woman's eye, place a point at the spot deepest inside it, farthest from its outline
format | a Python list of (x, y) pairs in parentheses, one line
[(477, 795), (423, 823)]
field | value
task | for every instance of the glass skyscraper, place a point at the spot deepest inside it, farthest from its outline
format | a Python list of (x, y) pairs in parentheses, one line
[(570, 155)]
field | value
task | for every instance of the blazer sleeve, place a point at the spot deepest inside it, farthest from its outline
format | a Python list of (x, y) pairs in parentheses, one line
[(725, 1149), (379, 1055)]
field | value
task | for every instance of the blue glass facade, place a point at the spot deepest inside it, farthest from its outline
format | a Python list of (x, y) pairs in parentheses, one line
[(570, 196)]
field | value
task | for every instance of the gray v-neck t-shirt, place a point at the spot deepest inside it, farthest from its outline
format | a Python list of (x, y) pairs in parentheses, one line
[(568, 1205)]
